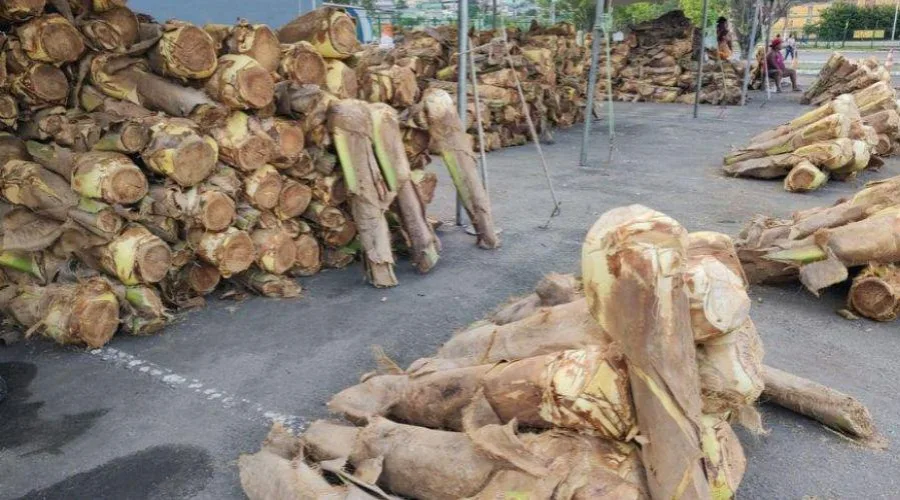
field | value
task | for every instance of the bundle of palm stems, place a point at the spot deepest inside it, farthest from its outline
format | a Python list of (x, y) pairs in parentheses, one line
[(828, 245), (143, 163), (624, 384), (842, 75), (839, 139), (657, 62)]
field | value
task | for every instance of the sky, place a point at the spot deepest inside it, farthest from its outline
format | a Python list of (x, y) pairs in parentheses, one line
[(272, 12)]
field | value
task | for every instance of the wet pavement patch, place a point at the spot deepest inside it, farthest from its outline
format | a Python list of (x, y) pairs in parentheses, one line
[(167, 471), (22, 430)]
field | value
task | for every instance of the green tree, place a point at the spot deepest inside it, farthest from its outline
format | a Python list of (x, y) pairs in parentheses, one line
[(840, 20)]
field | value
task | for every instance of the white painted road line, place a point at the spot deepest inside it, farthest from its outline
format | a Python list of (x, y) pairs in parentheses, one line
[(222, 398)]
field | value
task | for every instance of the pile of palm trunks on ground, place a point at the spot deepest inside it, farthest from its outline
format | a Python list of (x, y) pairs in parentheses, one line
[(622, 386), (842, 75), (143, 163), (827, 245), (657, 62), (838, 139)]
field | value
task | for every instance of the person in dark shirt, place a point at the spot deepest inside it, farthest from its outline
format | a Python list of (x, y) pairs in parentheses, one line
[(724, 39), (777, 69)]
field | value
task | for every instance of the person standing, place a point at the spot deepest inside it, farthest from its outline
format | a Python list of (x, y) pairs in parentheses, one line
[(776, 67), (790, 47), (724, 39)]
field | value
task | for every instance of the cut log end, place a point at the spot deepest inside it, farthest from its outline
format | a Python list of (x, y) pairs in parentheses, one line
[(97, 319), (874, 298), (255, 86), (194, 51), (217, 211), (203, 278), (62, 42), (343, 34), (49, 83), (195, 161), (127, 186), (153, 261)]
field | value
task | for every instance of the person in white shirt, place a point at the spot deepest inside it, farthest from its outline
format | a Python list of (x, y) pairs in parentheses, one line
[(790, 47)]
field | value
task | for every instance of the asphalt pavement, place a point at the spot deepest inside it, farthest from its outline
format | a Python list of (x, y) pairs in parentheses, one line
[(166, 416)]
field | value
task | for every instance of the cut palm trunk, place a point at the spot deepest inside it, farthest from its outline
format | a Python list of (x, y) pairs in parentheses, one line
[(86, 313), (211, 209), (269, 285), (293, 199), (831, 127), (451, 140), (30, 185), (129, 79), (804, 177), (731, 370), (112, 31), (40, 85), (875, 293), (51, 39), (21, 10), (330, 31), (309, 256), (242, 142), (571, 324), (387, 138), (724, 462), (340, 80), (262, 187), (241, 83), (584, 390), (146, 313), (351, 125), (302, 64), (9, 111), (185, 52), (179, 152), (553, 289), (718, 298), (111, 177), (841, 105), (632, 260), (231, 251), (257, 41), (288, 138), (136, 256), (275, 250), (129, 137), (834, 409)]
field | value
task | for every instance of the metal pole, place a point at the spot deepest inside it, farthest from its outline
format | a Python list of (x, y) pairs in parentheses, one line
[(894, 29), (592, 82), (611, 118), (461, 94), (750, 46), (700, 59), (494, 19), (766, 52), (552, 12)]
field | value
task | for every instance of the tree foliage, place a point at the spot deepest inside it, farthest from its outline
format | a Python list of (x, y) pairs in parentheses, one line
[(840, 20)]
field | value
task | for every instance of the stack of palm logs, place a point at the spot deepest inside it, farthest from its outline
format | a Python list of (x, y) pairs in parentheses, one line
[(625, 389), (842, 75), (825, 246), (143, 163), (838, 139), (657, 62)]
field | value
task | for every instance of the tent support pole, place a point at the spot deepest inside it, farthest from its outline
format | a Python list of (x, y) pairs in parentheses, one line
[(700, 58), (592, 82), (462, 95), (753, 27)]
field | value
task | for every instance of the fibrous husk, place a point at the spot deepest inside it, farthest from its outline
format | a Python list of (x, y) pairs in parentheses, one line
[(111, 177), (351, 125), (632, 263)]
